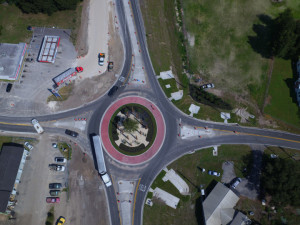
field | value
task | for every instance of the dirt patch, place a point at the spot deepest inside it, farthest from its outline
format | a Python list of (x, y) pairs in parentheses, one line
[(87, 202), (81, 42), (89, 89)]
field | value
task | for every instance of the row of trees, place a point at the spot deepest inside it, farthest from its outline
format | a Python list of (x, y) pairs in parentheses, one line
[(286, 36), (43, 6)]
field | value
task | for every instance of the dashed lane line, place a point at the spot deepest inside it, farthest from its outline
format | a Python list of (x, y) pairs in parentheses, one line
[(135, 200)]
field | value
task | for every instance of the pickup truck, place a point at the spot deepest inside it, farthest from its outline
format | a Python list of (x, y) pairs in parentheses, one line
[(37, 126), (101, 58)]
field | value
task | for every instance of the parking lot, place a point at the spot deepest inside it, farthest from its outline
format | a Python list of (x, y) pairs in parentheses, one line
[(83, 203), (30, 93)]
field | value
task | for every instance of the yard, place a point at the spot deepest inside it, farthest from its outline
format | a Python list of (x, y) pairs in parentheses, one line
[(188, 167), (221, 48), (282, 98), (14, 23)]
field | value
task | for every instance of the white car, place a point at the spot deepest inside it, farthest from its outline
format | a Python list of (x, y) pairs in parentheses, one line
[(60, 168), (236, 183), (37, 126), (29, 146)]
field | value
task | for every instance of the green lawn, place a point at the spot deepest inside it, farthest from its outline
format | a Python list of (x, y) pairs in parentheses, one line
[(14, 22), (18, 140), (187, 166), (222, 52), (282, 104)]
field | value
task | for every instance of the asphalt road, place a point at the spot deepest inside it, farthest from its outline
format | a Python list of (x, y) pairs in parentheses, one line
[(173, 146)]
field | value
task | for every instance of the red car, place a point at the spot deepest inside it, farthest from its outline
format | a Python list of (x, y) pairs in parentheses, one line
[(52, 199), (79, 69)]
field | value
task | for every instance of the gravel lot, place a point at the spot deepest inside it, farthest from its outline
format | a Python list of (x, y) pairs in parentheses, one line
[(85, 203)]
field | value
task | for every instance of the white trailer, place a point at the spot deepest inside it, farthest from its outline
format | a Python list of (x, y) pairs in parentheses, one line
[(37, 126), (100, 160)]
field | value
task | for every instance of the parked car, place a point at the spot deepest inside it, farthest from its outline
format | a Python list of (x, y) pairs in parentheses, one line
[(206, 86), (60, 159), (236, 182), (52, 199), (71, 133), (55, 185), (29, 146), (112, 91), (54, 145), (8, 87), (214, 173), (56, 167), (54, 192), (61, 220), (79, 69)]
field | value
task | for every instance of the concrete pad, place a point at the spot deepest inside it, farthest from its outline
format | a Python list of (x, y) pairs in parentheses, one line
[(189, 132), (228, 172), (166, 75), (194, 109), (225, 116), (215, 151), (167, 198), (177, 181), (168, 86), (176, 95)]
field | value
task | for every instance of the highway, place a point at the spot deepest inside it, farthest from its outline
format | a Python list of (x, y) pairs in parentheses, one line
[(173, 146)]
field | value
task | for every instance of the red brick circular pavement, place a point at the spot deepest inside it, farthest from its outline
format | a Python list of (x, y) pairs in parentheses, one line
[(160, 135)]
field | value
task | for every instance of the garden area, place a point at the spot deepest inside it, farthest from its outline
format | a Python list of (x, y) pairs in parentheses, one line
[(132, 129)]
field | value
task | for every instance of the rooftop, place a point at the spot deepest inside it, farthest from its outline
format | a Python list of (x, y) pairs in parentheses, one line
[(10, 158)]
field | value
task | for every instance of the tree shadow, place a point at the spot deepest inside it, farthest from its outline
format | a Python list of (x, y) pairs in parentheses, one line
[(290, 82), (261, 42)]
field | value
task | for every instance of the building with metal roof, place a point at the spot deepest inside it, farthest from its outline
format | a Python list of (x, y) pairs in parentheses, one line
[(12, 160), (219, 205), (11, 60), (49, 49)]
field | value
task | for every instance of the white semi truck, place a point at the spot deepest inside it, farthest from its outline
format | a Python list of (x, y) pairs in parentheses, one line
[(100, 160)]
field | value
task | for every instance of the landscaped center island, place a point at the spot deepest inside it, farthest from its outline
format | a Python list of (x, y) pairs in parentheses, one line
[(132, 129)]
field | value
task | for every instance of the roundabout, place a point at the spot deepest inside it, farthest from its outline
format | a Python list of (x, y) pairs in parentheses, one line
[(141, 143)]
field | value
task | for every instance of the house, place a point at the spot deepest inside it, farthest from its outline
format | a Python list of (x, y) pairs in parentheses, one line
[(219, 205), (12, 160), (297, 83)]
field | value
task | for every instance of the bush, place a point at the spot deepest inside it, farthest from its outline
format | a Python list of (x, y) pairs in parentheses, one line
[(207, 98)]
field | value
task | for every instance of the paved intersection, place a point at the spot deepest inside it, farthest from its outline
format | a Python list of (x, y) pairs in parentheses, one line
[(173, 146)]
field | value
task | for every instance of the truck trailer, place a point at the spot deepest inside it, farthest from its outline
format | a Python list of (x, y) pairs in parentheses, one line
[(100, 160)]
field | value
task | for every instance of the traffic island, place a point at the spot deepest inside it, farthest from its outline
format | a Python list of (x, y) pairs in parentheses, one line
[(132, 130)]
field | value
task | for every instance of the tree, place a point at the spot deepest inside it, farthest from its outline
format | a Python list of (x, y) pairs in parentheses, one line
[(281, 180), (130, 125), (284, 35)]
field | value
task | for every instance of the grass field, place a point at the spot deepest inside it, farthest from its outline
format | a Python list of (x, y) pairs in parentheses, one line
[(188, 211), (18, 140), (223, 50), (282, 104), (14, 22), (187, 166)]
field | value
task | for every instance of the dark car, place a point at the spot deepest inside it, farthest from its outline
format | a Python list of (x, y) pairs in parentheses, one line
[(60, 159), (71, 133), (112, 90), (55, 185), (54, 192), (8, 87)]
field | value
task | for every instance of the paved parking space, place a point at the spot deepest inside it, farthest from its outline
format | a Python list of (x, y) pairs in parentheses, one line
[(29, 95), (84, 203), (33, 190)]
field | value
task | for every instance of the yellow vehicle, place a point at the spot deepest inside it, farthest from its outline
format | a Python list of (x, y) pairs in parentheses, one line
[(61, 220)]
